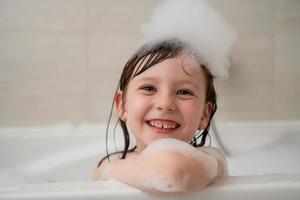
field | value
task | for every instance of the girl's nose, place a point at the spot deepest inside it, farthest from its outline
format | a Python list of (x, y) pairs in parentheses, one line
[(165, 103)]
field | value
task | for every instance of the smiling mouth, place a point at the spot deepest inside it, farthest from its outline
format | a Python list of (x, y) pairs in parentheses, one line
[(163, 124)]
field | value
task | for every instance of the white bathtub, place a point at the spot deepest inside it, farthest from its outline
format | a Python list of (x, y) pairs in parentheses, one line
[(57, 163)]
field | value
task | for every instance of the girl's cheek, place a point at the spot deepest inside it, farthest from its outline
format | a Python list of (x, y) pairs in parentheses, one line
[(137, 105), (193, 107)]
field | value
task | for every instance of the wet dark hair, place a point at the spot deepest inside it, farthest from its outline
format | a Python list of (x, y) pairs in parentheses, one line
[(147, 56)]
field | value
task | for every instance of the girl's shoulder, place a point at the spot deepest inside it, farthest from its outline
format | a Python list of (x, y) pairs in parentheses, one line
[(99, 171), (212, 151)]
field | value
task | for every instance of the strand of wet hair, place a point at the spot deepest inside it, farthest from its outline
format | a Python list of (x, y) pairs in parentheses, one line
[(108, 122)]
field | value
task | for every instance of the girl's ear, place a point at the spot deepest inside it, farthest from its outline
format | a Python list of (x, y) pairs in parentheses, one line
[(119, 104), (206, 115)]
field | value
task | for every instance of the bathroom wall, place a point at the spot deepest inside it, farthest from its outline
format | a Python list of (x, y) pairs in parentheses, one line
[(60, 59)]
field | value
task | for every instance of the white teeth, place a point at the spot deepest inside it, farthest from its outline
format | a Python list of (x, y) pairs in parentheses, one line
[(161, 125)]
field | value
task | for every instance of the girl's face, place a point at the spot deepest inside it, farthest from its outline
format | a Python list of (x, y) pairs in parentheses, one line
[(165, 101)]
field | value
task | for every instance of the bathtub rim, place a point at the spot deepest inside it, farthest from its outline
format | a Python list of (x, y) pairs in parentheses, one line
[(278, 183)]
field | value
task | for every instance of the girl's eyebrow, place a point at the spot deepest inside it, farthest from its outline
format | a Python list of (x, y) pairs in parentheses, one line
[(186, 82)]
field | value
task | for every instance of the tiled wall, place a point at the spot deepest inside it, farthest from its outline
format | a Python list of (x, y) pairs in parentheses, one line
[(60, 59), (265, 81)]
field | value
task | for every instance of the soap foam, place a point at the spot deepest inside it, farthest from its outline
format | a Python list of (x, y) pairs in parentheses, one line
[(164, 184), (174, 145), (198, 24)]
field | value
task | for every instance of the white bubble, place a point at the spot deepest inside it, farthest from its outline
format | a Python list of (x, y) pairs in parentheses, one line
[(197, 23), (172, 145)]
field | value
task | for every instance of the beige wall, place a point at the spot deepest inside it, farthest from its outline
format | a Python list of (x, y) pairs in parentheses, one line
[(60, 59)]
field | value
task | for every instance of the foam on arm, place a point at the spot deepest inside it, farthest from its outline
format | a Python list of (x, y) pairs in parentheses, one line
[(166, 166), (202, 167)]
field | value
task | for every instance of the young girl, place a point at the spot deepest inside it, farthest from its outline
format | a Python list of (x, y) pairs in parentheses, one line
[(166, 100)]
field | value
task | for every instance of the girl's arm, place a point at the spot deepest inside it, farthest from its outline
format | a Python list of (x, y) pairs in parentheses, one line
[(168, 172)]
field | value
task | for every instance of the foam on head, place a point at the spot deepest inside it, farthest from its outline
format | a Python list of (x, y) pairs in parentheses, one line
[(196, 23)]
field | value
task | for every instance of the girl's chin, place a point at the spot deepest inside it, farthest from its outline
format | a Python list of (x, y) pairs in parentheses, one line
[(152, 139)]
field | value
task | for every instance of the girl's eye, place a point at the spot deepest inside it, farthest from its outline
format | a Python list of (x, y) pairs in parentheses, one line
[(148, 88), (185, 92)]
